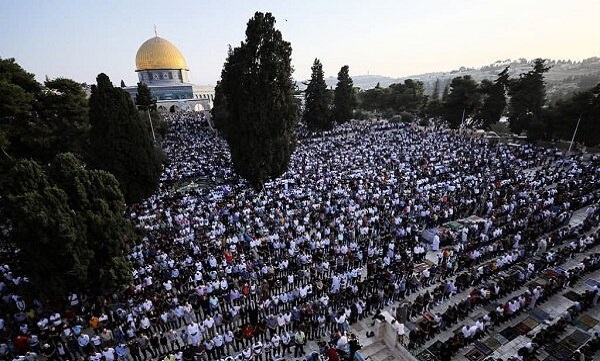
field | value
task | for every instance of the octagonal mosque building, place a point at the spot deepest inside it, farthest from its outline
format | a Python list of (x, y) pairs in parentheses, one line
[(161, 66)]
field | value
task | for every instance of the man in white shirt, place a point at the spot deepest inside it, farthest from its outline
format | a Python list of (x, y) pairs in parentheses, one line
[(275, 342), (209, 323), (108, 353), (194, 333), (219, 341)]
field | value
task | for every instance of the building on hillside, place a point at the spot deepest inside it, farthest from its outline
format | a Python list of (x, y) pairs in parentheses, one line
[(162, 67)]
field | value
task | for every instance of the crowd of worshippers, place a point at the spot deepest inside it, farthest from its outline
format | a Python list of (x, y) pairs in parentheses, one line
[(227, 273), (517, 283)]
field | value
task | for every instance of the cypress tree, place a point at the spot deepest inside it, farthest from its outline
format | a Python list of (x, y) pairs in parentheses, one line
[(316, 113), (344, 100), (144, 99), (257, 110), (120, 143)]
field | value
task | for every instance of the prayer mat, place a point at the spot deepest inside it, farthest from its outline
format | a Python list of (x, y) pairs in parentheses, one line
[(534, 284), (530, 322), (483, 348), (588, 320), (420, 267), (425, 355), (591, 282), (559, 351), (454, 225), (560, 270), (501, 339), (554, 272), (538, 314), (475, 355), (509, 333), (581, 325), (490, 307), (580, 336), (522, 329), (492, 343), (573, 296), (435, 348), (570, 343)]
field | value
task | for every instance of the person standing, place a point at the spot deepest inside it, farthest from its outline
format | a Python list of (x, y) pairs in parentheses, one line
[(299, 342), (173, 338), (122, 352), (134, 350), (286, 341), (219, 341), (354, 346)]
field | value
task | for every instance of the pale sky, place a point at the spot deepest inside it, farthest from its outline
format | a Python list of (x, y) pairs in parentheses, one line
[(80, 38)]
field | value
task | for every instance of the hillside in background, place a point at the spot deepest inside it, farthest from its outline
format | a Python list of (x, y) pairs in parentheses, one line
[(564, 78)]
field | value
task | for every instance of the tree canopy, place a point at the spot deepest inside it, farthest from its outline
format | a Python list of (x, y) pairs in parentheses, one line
[(583, 107), (255, 107), (121, 143), (62, 124), (408, 96), (317, 113), (39, 121), (494, 99), (527, 97), (344, 100), (463, 98), (68, 224), (144, 99)]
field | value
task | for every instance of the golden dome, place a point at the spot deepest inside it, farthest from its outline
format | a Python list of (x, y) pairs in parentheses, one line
[(158, 53)]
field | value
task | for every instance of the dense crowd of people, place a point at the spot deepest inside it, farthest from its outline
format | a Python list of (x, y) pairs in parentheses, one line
[(227, 273)]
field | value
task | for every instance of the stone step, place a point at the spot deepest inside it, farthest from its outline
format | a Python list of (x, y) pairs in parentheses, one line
[(382, 355), (373, 348)]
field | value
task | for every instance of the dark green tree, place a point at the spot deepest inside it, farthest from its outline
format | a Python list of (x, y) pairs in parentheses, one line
[(98, 203), (408, 97), (18, 90), (464, 98), (494, 99), (405, 97), (62, 123), (144, 98), (343, 99), (41, 121), (257, 111), (13, 73), (527, 97), (68, 225), (372, 99), (317, 100), (120, 142), (583, 107), (433, 109), (146, 103), (122, 84), (219, 109)]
